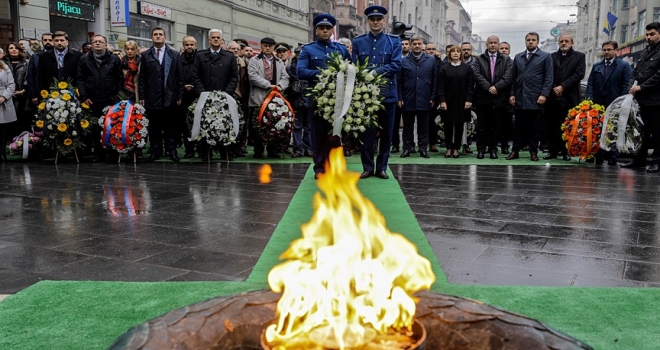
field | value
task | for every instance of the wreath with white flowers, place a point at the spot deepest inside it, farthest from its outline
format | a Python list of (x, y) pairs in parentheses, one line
[(217, 124)]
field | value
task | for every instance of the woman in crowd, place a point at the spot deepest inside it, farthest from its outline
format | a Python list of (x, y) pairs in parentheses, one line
[(7, 111), (130, 64), (16, 61), (455, 90)]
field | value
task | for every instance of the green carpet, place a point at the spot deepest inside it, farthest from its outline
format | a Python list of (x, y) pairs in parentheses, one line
[(90, 315)]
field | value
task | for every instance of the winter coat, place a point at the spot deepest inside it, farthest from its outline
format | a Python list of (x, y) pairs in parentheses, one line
[(603, 89), (417, 82), (567, 74), (261, 86), (212, 72), (297, 89), (160, 85), (7, 110), (531, 79), (20, 79), (455, 87), (48, 71), (100, 83), (647, 75), (483, 80)]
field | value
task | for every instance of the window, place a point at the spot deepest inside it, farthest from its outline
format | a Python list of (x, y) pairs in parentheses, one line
[(201, 35), (641, 23), (615, 5), (409, 18), (626, 4), (656, 14), (624, 33), (141, 26), (371, 3)]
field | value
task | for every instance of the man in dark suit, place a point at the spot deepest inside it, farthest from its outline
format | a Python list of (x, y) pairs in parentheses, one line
[(568, 70), (530, 88), (214, 69), (189, 93), (59, 63), (609, 79), (492, 76), (33, 64), (161, 89)]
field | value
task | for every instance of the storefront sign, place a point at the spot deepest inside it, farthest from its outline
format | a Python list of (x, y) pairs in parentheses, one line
[(73, 9), (119, 15), (154, 10)]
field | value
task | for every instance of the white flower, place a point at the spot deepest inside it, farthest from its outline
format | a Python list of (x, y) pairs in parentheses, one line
[(327, 109), (358, 121), (50, 127), (347, 128), (360, 113), (74, 133), (368, 77), (362, 128), (356, 97), (348, 120), (65, 114), (332, 86)]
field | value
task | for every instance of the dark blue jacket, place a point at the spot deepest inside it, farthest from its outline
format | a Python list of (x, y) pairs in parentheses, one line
[(531, 79), (418, 82), (314, 57), (604, 89), (384, 54)]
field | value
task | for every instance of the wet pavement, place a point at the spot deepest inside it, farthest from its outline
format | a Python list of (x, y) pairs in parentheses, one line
[(499, 225)]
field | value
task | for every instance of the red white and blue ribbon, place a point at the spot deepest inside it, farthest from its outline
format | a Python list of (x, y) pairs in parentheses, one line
[(128, 115)]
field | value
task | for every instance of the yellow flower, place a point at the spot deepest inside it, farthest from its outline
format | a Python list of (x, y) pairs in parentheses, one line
[(39, 123), (84, 105), (61, 127), (54, 94), (42, 105), (66, 97), (77, 92), (84, 124), (44, 93), (68, 142), (62, 85)]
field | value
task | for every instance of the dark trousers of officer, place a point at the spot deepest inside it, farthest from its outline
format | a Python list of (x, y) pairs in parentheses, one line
[(488, 128), (408, 130), (163, 125), (396, 140), (506, 128), (554, 116), (528, 129), (651, 140), (322, 140), (386, 123)]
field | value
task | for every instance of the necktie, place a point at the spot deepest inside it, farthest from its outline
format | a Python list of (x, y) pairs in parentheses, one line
[(607, 67), (528, 55), (492, 69), (160, 59), (60, 60)]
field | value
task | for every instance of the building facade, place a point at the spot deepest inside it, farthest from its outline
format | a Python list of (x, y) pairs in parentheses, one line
[(458, 27), (426, 16), (284, 20)]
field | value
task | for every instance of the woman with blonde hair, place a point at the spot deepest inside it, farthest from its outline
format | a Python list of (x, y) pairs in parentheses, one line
[(7, 110), (130, 63)]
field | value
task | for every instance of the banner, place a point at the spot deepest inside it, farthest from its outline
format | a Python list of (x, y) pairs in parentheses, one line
[(119, 13)]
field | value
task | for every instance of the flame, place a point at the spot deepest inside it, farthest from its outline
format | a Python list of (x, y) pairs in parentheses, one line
[(264, 173), (348, 277)]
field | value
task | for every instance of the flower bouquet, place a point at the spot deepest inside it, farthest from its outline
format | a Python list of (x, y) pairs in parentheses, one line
[(275, 119), (582, 129), (62, 118), (348, 93), (623, 111), (124, 127), (24, 143), (214, 118)]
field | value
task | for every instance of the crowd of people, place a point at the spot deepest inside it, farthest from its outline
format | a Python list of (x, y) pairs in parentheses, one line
[(523, 99)]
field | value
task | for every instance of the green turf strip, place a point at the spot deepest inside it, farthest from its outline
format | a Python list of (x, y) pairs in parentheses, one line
[(86, 315)]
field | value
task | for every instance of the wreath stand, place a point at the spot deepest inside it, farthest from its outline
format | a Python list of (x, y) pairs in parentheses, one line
[(134, 158), (57, 153)]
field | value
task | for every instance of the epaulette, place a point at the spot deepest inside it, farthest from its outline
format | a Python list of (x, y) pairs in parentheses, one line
[(311, 42), (359, 36), (393, 36)]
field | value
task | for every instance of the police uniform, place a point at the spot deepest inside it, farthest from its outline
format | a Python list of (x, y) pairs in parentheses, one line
[(384, 54), (313, 57)]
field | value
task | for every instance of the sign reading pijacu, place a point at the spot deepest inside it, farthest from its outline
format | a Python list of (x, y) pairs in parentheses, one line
[(73, 9)]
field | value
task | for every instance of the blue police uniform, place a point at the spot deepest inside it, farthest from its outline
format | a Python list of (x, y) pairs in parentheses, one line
[(313, 57), (384, 54)]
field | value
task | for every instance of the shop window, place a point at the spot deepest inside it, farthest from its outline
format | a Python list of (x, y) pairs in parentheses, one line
[(141, 26), (201, 35)]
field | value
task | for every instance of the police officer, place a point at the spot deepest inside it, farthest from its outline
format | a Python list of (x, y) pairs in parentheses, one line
[(384, 54), (313, 58)]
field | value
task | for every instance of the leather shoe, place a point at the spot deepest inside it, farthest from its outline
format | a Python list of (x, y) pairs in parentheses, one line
[(566, 157), (433, 148), (395, 149), (493, 154), (309, 153), (466, 149), (550, 156), (534, 157), (505, 150), (633, 165), (296, 155), (423, 154), (653, 168), (174, 157), (480, 155), (405, 153), (189, 155), (513, 155), (366, 174), (382, 175)]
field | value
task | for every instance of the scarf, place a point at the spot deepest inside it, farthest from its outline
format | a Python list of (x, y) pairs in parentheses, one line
[(131, 67)]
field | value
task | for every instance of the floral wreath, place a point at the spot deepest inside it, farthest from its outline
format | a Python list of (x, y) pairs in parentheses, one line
[(215, 121), (62, 118), (124, 127), (25, 142), (365, 99), (275, 119), (623, 110), (582, 129)]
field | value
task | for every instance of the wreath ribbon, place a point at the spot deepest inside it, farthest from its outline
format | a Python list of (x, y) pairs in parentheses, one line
[(128, 115), (198, 114), (273, 93), (108, 124), (25, 135), (574, 128), (344, 94), (590, 135)]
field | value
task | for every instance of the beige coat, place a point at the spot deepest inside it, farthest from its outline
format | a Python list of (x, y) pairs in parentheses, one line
[(7, 111), (260, 85)]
